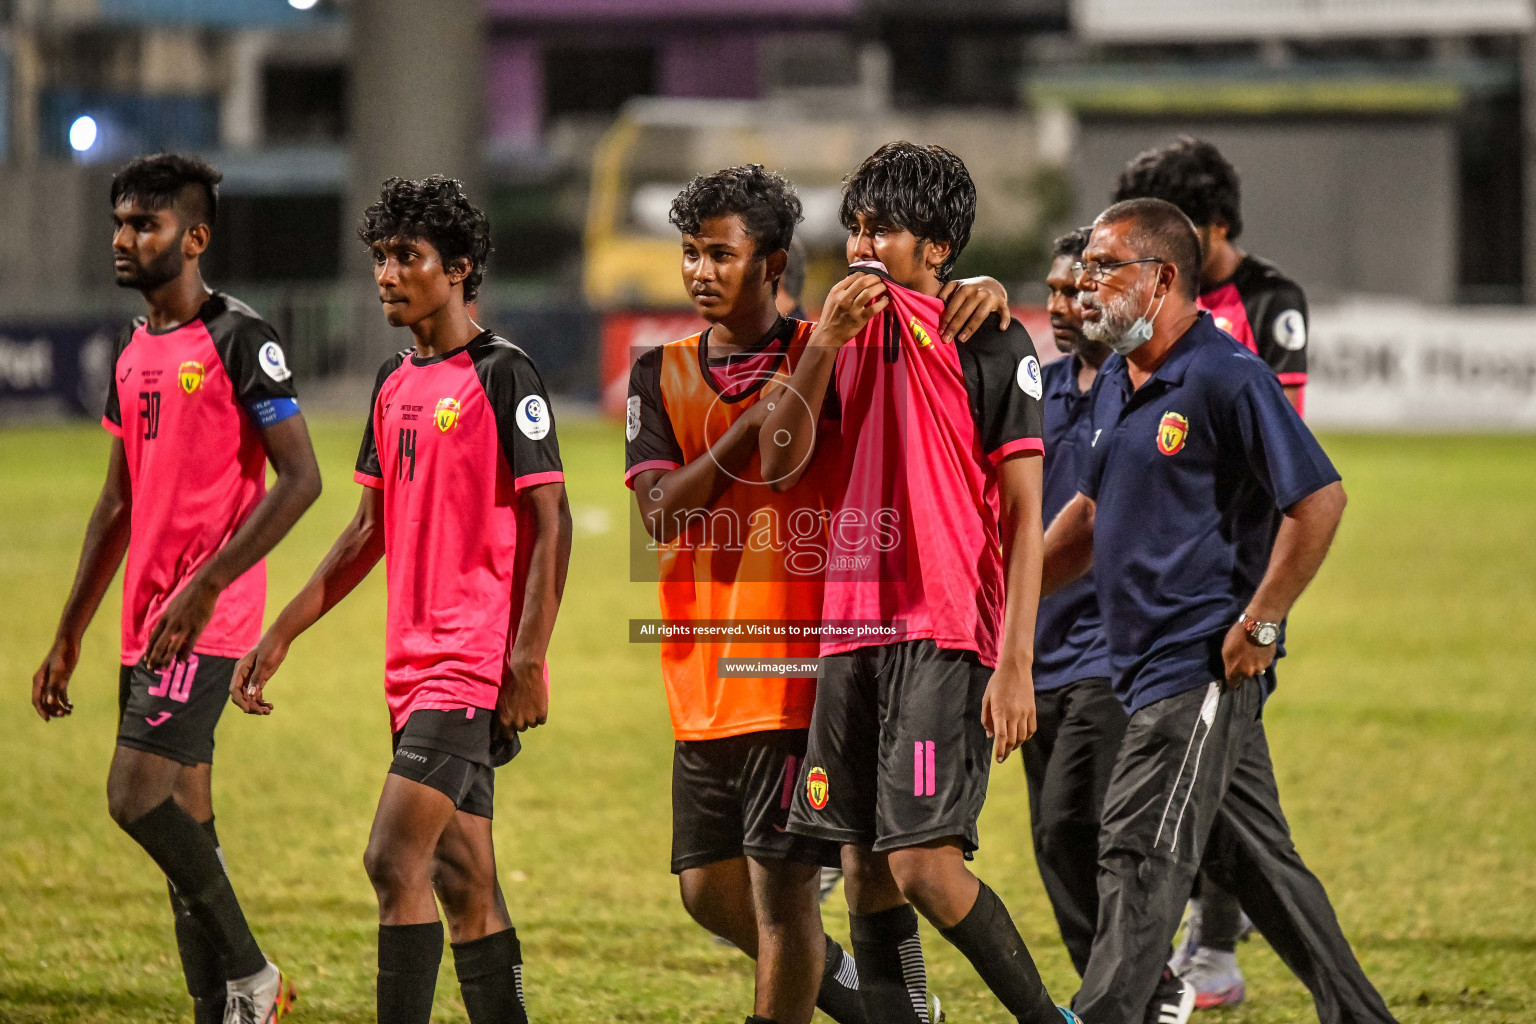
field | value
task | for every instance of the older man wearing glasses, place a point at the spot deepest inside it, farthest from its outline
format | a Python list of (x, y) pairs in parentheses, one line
[(1193, 450)]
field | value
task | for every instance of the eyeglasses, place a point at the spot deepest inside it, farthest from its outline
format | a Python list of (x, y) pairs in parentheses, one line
[(1096, 272)]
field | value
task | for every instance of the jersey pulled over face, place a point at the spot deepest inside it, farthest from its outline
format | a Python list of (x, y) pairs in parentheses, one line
[(914, 535), (451, 441), (188, 404), (757, 555)]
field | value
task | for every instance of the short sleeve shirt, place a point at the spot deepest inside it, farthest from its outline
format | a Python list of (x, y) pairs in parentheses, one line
[(914, 538), (756, 555), (189, 405), (1189, 473), (1069, 633), (1267, 313), (452, 441)]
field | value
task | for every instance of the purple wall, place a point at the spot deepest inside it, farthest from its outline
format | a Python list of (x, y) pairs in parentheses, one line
[(514, 91), (719, 66)]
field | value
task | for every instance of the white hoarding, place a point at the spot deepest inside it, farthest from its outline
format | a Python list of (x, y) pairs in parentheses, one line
[(1398, 367)]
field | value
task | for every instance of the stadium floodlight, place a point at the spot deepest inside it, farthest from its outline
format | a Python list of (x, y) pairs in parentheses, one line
[(302, 5), (82, 133)]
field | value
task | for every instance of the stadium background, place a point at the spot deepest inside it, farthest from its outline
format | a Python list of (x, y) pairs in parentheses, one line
[(1387, 149)]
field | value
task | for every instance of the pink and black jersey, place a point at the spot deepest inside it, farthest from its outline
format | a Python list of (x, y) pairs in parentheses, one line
[(451, 441), (188, 404), (1267, 313), (913, 535)]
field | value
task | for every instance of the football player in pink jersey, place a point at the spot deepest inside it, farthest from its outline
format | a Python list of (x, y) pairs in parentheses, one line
[(463, 489), (201, 399)]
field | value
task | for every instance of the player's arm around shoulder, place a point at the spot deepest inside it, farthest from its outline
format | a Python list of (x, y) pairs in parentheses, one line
[(788, 433), (968, 304)]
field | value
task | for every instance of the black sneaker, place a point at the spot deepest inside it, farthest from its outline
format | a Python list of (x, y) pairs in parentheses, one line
[(1172, 1002)]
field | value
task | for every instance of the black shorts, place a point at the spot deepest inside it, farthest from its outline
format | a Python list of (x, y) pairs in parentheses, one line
[(456, 753), (173, 713), (730, 798), (897, 754)]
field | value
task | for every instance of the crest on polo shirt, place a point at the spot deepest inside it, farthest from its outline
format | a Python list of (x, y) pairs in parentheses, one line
[(190, 375), (1172, 430), (816, 788), (446, 415), (923, 340)]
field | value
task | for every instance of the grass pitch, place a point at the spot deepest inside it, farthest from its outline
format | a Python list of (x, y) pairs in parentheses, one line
[(1404, 735)]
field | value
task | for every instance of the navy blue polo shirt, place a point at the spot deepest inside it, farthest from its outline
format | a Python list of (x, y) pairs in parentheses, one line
[(1188, 473), (1069, 635)]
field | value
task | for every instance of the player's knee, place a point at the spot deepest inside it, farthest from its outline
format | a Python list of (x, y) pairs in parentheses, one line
[(921, 874), (463, 890), (126, 803), (388, 869)]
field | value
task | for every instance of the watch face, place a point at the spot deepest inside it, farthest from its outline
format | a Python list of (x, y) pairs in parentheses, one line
[(1266, 634)]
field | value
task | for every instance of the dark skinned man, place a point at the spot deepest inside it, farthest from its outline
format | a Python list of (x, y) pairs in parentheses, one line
[(463, 489), (1080, 721), (936, 541), (694, 412), (201, 400), (1194, 448)]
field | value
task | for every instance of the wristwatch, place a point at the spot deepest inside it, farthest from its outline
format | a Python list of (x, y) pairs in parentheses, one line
[(1260, 634)]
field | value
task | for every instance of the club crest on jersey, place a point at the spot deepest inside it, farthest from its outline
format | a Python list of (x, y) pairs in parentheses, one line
[(446, 416), (816, 788), (1171, 432), (923, 340), (190, 375)]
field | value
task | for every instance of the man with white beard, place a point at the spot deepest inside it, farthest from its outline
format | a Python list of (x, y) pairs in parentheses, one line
[(1193, 450)]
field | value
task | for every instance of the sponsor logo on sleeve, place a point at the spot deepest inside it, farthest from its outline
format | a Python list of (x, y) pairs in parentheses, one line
[(1172, 430), (1291, 330), (272, 362), (190, 375), (446, 415), (533, 417), (1030, 381), (816, 788), (632, 418)]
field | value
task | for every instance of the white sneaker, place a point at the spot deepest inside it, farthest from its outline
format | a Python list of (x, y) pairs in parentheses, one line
[(1185, 951), (1217, 979), (262, 998)]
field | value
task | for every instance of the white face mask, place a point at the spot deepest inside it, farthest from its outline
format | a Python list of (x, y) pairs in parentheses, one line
[(1140, 332)]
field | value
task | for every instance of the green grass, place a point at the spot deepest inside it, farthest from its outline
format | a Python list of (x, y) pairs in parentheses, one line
[(1404, 736)]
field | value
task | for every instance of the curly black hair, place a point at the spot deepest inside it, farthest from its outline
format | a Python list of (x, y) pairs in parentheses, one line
[(171, 179), (1191, 174), (436, 210), (1072, 243), (765, 202), (922, 189)]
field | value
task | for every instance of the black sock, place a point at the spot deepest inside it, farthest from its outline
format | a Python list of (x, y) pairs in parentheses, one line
[(992, 944), (755, 1019), (839, 995), (408, 958), (187, 855), (490, 973), (199, 958), (893, 982)]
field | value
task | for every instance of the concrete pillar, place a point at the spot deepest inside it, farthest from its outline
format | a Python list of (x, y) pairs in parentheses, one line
[(417, 99), (514, 92), (1528, 149), (240, 114)]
